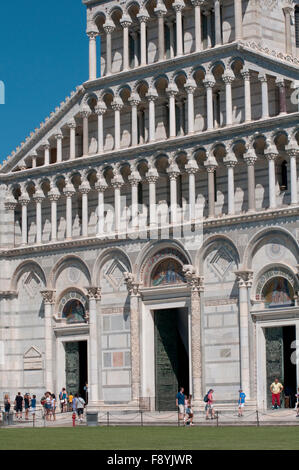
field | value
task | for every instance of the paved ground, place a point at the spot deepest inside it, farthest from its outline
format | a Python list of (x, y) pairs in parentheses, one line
[(251, 418)]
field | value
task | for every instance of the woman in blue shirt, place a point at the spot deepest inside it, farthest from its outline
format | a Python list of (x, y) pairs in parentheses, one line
[(241, 403)]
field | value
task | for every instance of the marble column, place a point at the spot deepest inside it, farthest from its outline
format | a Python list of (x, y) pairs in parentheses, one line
[(265, 98), (178, 6), (10, 207), (238, 13), (230, 161), (54, 196), (101, 186), (228, 78), (247, 94), (134, 293), (280, 83), (143, 18), (72, 126), (218, 25), (85, 116), (271, 155), (250, 159), (126, 22), (92, 55), (152, 178), (117, 106), (134, 180), (288, 33), (46, 147), (197, 13), (209, 82), (100, 110), (152, 96), (117, 182), (211, 166), (109, 27), (84, 189), (195, 283), (24, 201), (49, 302), (192, 168), (190, 88), (59, 137), (33, 156), (134, 101), (161, 11), (69, 191), (171, 39), (173, 173), (244, 279), (38, 198), (171, 92), (293, 152), (94, 297)]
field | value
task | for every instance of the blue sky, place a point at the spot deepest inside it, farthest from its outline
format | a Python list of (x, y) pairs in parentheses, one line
[(43, 57)]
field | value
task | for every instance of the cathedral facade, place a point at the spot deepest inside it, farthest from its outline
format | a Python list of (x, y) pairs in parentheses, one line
[(149, 227)]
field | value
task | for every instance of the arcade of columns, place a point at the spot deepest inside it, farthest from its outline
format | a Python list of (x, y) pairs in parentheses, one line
[(271, 154)]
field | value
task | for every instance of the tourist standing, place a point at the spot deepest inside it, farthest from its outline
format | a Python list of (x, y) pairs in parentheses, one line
[(48, 406), (241, 403), (19, 406), (210, 404), (53, 406), (189, 411), (63, 400), (180, 403), (276, 388), (27, 405), (33, 407), (70, 401), (80, 404), (6, 404)]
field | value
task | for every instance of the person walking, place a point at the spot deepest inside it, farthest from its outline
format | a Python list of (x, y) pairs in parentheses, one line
[(48, 406), (19, 406), (241, 403), (63, 400), (209, 404), (180, 403), (276, 388), (80, 404), (70, 404)]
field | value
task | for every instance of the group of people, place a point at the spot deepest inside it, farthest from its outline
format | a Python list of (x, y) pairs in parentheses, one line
[(28, 404), (184, 404), (20, 403)]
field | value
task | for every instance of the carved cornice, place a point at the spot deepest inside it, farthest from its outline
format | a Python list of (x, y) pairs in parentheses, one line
[(8, 294)]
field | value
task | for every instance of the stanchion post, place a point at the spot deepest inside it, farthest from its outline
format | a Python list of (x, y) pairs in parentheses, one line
[(141, 417), (217, 418), (108, 418), (257, 418), (178, 420)]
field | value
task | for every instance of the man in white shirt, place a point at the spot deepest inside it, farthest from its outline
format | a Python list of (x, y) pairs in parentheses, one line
[(80, 404)]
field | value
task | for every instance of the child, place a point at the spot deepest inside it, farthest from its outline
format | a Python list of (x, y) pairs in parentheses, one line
[(241, 402)]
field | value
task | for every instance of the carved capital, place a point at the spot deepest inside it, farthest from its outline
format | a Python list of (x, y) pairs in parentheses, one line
[(193, 281), (244, 278), (48, 296), (94, 293), (132, 285)]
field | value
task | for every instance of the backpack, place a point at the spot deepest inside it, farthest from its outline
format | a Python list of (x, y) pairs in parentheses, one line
[(206, 398)]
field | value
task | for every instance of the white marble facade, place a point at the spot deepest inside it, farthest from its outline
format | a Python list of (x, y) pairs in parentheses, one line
[(182, 145)]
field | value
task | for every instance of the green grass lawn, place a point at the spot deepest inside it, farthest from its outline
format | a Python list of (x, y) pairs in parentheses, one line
[(150, 438)]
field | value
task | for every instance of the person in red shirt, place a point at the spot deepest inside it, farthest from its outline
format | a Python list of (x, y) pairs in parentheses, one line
[(209, 405)]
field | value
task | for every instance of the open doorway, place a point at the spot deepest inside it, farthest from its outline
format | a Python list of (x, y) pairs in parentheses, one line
[(279, 364), (76, 367), (171, 356)]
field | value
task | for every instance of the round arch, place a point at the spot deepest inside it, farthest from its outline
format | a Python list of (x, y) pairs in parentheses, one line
[(64, 262), (206, 246), (24, 267), (106, 255)]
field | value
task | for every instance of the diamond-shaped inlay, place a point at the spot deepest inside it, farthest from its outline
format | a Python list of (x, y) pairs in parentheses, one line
[(115, 274), (32, 284), (221, 261)]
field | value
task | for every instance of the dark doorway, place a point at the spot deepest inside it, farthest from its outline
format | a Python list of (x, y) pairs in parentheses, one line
[(76, 367), (279, 349), (171, 356)]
